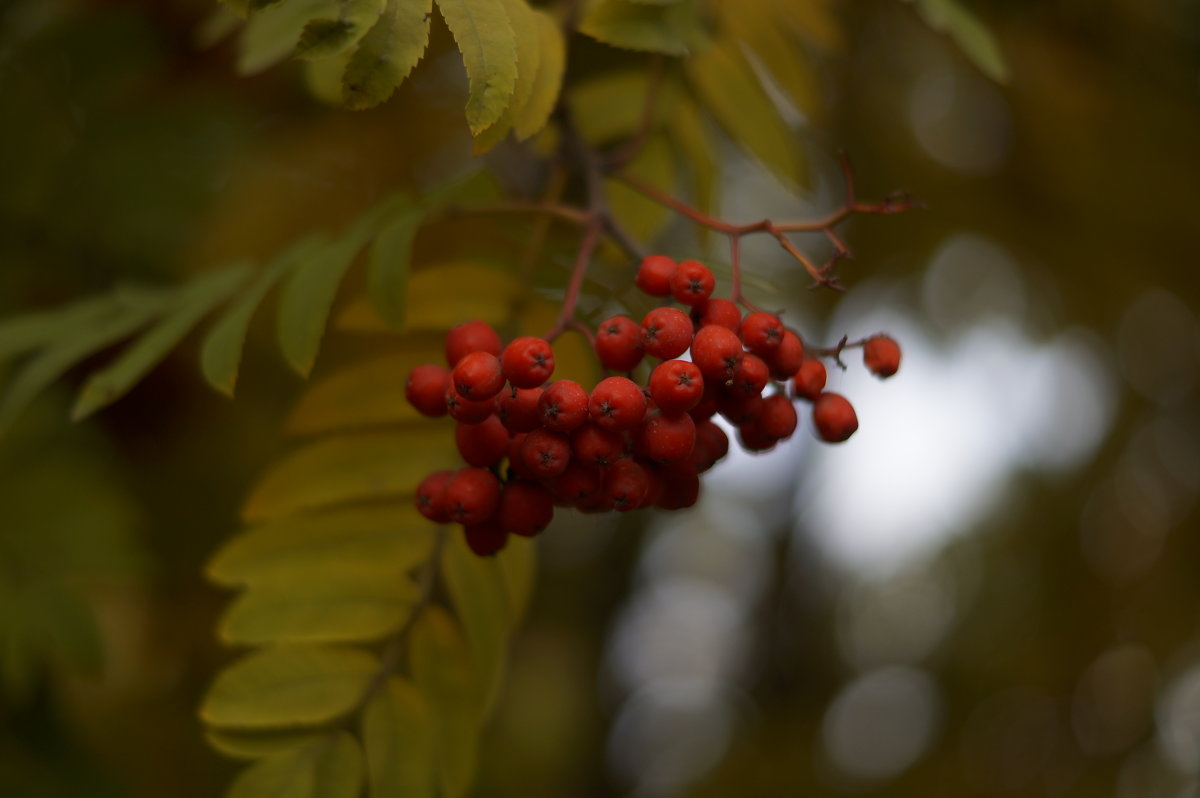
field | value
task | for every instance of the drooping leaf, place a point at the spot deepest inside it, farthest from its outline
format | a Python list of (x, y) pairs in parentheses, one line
[(377, 539), (481, 292), (271, 34), (528, 57), (21, 334), (397, 734), (221, 354), (351, 467), (532, 115), (729, 89), (387, 263), (387, 53), (365, 395), (969, 33), (655, 164), (331, 766), (673, 29), (485, 38), (480, 598), (442, 671), (258, 744), (329, 36), (193, 303), (288, 686)]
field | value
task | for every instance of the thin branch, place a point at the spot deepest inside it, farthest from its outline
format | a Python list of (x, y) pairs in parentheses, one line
[(587, 247)]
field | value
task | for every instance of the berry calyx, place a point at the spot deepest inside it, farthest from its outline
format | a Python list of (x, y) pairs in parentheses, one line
[(478, 376), (617, 404), (676, 386), (716, 351), (761, 332), (564, 406), (692, 283), (527, 362)]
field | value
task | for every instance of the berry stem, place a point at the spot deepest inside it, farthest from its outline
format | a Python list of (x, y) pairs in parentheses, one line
[(587, 247)]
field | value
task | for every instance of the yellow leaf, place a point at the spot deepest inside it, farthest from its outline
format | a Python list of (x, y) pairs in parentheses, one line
[(326, 37), (485, 38), (256, 745), (672, 29), (397, 732), (440, 296), (387, 53), (532, 114), (329, 767), (480, 598)]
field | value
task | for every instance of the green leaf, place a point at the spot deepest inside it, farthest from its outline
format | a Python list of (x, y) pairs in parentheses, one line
[(479, 594), (673, 29), (374, 539), (365, 395), (341, 771), (256, 745), (969, 33), (351, 467), (343, 609), (387, 53), (387, 263), (194, 302), (322, 38), (518, 567), (479, 292), (488, 45), (289, 686), (329, 767), (21, 334), (733, 94), (272, 34), (442, 671), (397, 734), (221, 355), (531, 115), (528, 56)]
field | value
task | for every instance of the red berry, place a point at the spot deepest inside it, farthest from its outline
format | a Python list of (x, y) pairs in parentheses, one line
[(619, 343), (740, 409), (810, 379), (545, 453), (704, 411), (473, 336), (483, 444), (485, 539), (750, 376), (680, 490), (426, 389), (692, 283), (478, 376), (576, 485), (881, 354), (564, 406), (462, 409), (525, 508), (516, 458), (711, 445), (596, 447), (666, 333), (518, 410), (431, 497), (676, 386), (716, 352), (754, 438), (834, 417), (717, 311), (666, 439), (761, 332), (471, 495), (777, 418), (654, 275), (625, 485), (528, 362), (617, 404), (785, 359)]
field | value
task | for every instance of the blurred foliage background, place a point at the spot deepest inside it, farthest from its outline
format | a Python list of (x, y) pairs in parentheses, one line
[(991, 590)]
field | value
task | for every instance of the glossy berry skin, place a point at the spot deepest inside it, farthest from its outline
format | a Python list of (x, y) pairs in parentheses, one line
[(564, 406), (834, 417), (473, 336), (625, 485), (425, 389), (483, 444), (676, 386), (750, 376), (619, 343), (518, 409), (596, 447), (431, 497), (881, 354), (527, 362), (809, 380), (525, 508), (692, 283), (462, 409), (716, 352), (654, 275), (761, 332), (617, 404), (478, 376), (666, 333), (784, 361), (778, 418), (666, 439), (717, 311), (545, 453), (471, 495), (485, 539)]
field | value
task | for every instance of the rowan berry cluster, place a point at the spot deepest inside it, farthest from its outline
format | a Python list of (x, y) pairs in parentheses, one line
[(621, 446)]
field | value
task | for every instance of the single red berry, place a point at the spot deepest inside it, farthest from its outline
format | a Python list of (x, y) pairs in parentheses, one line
[(619, 343), (716, 352), (518, 410), (625, 485), (717, 311), (654, 275), (761, 332), (564, 406), (785, 359), (881, 354), (810, 379), (528, 362), (712, 444), (754, 438), (485, 539), (778, 419), (545, 453), (576, 485), (750, 376), (681, 489), (704, 411), (462, 409), (471, 495), (692, 283), (666, 333), (740, 409), (431, 497), (525, 508), (596, 447), (654, 485), (617, 404), (834, 417), (516, 458), (483, 444), (426, 389), (473, 336), (676, 386), (666, 438), (478, 376)]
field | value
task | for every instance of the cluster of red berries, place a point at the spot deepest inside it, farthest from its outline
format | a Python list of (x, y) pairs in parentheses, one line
[(622, 446)]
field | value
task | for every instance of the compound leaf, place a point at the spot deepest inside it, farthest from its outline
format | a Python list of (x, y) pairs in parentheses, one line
[(485, 38), (329, 36), (387, 53)]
